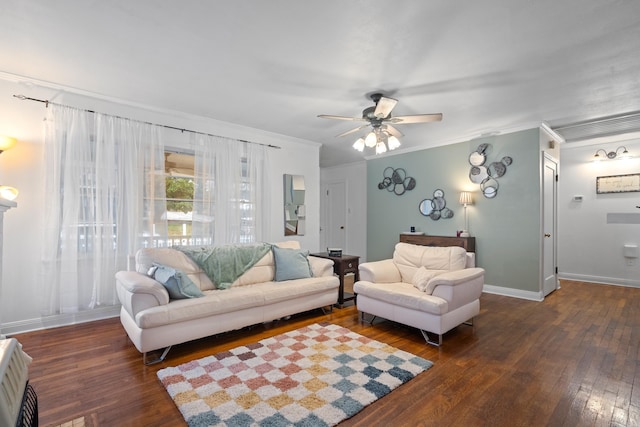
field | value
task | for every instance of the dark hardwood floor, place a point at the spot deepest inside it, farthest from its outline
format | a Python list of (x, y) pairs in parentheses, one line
[(572, 360)]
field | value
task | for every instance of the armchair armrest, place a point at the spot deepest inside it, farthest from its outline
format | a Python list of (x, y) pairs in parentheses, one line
[(137, 292), (457, 286), (383, 271), (456, 277)]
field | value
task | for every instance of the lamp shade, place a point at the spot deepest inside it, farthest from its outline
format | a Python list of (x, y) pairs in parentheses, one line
[(6, 142), (465, 198), (359, 144)]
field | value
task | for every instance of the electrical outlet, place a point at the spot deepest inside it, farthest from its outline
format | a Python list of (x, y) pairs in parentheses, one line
[(631, 262)]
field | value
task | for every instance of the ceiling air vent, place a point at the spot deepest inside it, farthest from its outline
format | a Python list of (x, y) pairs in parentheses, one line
[(601, 127)]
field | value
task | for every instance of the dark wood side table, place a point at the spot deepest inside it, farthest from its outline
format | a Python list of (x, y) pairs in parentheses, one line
[(343, 265)]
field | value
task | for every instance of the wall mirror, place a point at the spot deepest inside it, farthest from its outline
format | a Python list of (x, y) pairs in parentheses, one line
[(294, 212)]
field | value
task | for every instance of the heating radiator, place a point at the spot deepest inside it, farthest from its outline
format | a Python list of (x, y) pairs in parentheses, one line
[(18, 402)]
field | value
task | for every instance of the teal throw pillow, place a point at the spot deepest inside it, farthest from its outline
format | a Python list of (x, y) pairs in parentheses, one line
[(176, 282), (291, 264)]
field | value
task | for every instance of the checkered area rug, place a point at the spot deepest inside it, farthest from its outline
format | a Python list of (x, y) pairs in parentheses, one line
[(318, 375)]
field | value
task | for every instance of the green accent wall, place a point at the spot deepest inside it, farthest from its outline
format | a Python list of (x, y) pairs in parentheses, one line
[(506, 228)]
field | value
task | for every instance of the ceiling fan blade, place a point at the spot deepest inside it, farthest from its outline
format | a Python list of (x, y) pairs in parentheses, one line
[(393, 131), (418, 118), (384, 107), (352, 130), (328, 116)]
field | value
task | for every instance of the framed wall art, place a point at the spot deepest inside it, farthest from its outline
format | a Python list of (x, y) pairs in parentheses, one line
[(618, 183)]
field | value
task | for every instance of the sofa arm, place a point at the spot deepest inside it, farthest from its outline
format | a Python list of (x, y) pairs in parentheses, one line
[(384, 271), (320, 266), (137, 292)]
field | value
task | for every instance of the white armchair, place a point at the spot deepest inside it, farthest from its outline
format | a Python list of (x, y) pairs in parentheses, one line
[(430, 288)]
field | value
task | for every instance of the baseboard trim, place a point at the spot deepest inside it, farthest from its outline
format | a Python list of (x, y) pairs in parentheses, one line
[(515, 293), (600, 280), (54, 321)]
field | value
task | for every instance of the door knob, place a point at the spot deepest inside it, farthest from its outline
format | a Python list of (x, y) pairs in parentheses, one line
[(342, 227), (547, 235)]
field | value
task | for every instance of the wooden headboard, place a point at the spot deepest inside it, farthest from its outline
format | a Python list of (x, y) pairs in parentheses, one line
[(468, 243)]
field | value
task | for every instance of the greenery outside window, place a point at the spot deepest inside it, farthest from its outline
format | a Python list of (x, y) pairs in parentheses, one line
[(180, 189)]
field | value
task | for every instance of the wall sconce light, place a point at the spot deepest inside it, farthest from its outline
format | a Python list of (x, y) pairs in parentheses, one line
[(465, 200), (611, 154), (6, 142), (6, 192)]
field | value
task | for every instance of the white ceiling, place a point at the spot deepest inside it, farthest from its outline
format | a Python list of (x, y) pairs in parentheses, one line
[(488, 66)]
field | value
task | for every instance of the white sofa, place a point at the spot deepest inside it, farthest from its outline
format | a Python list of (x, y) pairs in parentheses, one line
[(441, 295), (153, 321)]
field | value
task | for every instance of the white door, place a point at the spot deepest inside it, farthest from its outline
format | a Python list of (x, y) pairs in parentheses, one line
[(336, 233), (549, 225)]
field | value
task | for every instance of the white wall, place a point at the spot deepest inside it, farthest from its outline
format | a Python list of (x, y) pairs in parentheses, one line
[(589, 248), (354, 176), (22, 166)]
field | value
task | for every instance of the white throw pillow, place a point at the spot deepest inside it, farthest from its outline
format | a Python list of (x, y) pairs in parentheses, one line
[(422, 276)]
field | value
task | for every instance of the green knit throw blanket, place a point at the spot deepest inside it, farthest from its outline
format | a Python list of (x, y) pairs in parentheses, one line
[(224, 264)]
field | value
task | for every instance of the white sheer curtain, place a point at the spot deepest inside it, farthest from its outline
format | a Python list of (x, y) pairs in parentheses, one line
[(231, 184), (258, 169), (104, 200)]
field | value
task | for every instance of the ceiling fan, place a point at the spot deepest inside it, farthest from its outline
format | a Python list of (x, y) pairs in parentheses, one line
[(382, 123)]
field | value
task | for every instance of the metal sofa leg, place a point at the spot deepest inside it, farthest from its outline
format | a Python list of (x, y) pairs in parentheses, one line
[(468, 322), (156, 360), (425, 334), (363, 320)]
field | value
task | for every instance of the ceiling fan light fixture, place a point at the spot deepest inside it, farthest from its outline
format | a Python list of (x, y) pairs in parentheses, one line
[(371, 139), (393, 142), (380, 148), (382, 136), (359, 144)]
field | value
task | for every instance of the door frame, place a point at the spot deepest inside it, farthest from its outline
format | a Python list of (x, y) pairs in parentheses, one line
[(546, 157)]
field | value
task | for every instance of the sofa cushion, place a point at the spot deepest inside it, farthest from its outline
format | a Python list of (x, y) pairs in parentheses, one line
[(175, 281), (291, 264)]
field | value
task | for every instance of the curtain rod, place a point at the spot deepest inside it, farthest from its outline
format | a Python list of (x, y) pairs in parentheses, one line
[(47, 103)]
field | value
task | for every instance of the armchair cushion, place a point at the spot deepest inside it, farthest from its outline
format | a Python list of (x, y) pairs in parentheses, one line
[(422, 277), (407, 258)]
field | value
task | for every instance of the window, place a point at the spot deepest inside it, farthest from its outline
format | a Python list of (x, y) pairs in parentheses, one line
[(180, 189), (190, 213)]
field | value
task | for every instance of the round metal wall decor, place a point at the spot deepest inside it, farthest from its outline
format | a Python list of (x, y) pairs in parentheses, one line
[(489, 188), (487, 176), (436, 207), (396, 181)]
